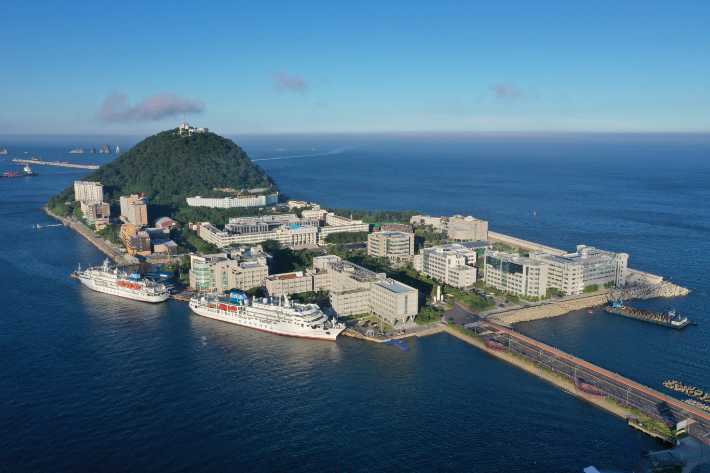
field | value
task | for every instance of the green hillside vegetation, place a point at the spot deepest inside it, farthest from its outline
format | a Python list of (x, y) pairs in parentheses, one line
[(168, 167)]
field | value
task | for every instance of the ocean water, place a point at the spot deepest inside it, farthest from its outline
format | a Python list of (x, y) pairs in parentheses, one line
[(94, 383)]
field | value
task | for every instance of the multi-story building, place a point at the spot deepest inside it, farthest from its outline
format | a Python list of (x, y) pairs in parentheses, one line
[(467, 229), (425, 220), (134, 210), (391, 245), (452, 264), (516, 274), (218, 273), (574, 272), (236, 201), (267, 223), (137, 241), (95, 210), (292, 235), (323, 232), (318, 213), (393, 302), (336, 220), (313, 279), (395, 227), (351, 301), (88, 191)]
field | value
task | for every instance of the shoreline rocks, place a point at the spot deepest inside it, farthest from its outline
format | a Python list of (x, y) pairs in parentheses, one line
[(548, 310), (662, 289)]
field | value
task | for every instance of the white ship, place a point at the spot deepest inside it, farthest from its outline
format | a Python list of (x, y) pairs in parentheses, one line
[(270, 315), (119, 283)]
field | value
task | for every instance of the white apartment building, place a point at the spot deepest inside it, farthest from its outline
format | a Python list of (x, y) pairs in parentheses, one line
[(134, 209), (467, 229), (452, 264), (573, 272), (516, 274), (88, 191), (391, 245), (236, 201)]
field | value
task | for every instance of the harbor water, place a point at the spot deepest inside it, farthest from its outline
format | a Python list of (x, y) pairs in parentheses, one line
[(90, 382)]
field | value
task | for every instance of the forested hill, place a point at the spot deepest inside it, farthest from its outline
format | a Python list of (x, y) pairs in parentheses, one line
[(168, 167)]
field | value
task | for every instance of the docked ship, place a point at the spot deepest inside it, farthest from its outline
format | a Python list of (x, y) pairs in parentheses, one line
[(119, 283), (25, 173), (279, 316), (671, 319)]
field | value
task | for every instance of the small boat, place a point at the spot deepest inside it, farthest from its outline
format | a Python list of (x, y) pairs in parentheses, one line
[(591, 312)]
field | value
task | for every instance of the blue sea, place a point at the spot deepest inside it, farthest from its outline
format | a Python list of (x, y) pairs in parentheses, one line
[(94, 383)]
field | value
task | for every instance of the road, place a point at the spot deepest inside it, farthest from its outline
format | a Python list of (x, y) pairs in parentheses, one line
[(649, 401)]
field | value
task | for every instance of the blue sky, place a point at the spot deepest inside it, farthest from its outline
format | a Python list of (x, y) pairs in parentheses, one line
[(327, 67)]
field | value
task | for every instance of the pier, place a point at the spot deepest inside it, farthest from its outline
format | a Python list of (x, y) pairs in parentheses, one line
[(54, 163)]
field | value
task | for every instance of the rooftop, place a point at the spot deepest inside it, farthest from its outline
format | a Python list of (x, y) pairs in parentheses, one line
[(355, 270), (394, 286)]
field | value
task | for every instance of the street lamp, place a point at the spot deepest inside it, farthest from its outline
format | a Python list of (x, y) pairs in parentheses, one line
[(627, 396)]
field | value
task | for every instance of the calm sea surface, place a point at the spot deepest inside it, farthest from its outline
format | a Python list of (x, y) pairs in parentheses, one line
[(94, 383)]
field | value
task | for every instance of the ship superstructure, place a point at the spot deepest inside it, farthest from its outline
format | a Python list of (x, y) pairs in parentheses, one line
[(279, 316), (27, 172), (119, 283)]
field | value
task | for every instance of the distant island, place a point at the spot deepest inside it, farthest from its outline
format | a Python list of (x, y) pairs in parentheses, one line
[(4, 151), (106, 149), (170, 167), (76, 151), (93, 150)]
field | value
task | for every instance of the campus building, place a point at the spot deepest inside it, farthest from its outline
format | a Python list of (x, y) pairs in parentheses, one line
[(393, 302), (292, 235), (467, 229), (218, 273), (267, 223), (134, 210), (236, 201), (574, 272), (453, 264), (95, 210), (136, 240), (88, 191), (516, 274), (391, 245), (426, 220)]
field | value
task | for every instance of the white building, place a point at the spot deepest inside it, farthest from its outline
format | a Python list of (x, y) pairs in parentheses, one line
[(236, 201), (452, 264), (292, 235), (267, 223), (336, 220), (355, 227), (516, 274), (318, 213), (467, 229), (391, 245), (574, 272), (313, 279), (425, 220), (88, 191), (393, 302)]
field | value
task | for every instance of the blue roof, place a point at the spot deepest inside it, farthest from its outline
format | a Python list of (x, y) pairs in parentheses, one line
[(294, 226)]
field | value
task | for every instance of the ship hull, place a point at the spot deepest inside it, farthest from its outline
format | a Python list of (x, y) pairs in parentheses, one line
[(631, 316), (115, 290), (244, 319)]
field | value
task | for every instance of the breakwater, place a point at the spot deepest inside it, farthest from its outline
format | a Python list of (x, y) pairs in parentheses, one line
[(548, 309), (56, 163), (662, 289)]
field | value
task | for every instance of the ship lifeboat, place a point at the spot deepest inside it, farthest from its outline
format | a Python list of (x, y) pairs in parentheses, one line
[(121, 283), (223, 307), (136, 286), (234, 308)]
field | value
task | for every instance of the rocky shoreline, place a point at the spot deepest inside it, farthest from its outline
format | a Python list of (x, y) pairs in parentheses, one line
[(547, 310)]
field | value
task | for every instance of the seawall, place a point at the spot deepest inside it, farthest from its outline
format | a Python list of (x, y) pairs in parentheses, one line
[(548, 309)]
